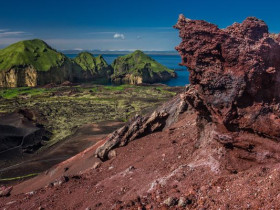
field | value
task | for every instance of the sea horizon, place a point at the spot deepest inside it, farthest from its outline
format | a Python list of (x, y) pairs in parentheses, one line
[(121, 52)]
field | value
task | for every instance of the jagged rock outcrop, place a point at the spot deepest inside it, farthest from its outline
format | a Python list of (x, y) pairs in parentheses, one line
[(141, 126), (138, 68), (94, 67), (234, 73)]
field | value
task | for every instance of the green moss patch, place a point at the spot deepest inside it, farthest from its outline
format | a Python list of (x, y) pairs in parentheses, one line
[(10, 93)]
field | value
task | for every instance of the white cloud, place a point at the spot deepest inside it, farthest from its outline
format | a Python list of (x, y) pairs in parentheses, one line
[(6, 33), (11, 33), (119, 36)]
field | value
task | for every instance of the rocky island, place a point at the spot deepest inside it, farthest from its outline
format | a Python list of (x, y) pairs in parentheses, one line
[(137, 68), (34, 63)]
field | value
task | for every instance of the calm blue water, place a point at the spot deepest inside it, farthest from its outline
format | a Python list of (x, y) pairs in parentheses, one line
[(170, 61)]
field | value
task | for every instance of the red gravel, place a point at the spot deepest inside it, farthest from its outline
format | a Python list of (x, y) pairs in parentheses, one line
[(185, 161)]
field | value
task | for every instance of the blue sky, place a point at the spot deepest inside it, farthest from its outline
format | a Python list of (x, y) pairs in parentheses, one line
[(120, 24)]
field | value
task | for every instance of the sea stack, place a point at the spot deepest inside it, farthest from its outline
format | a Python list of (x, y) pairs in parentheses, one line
[(138, 68)]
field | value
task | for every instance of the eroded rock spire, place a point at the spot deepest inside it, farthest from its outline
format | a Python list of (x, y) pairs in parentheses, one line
[(235, 73)]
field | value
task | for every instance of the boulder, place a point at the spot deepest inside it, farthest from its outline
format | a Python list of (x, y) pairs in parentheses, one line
[(5, 191)]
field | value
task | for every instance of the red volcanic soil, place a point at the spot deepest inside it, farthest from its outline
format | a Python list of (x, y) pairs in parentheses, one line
[(184, 165)]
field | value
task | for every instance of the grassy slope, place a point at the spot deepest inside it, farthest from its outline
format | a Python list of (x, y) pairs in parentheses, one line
[(34, 53), (138, 61)]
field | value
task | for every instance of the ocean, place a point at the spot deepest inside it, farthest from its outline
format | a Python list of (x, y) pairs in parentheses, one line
[(170, 61)]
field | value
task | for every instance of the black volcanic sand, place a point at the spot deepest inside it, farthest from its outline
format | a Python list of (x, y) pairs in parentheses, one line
[(14, 128), (19, 134), (85, 137)]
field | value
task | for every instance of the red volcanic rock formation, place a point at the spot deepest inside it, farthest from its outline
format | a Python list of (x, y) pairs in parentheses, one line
[(234, 73)]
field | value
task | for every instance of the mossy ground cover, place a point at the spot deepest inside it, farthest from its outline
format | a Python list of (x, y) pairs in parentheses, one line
[(10, 93), (64, 109)]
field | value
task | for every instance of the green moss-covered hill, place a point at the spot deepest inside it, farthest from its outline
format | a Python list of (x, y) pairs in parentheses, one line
[(32, 63), (97, 67), (137, 67), (34, 53)]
